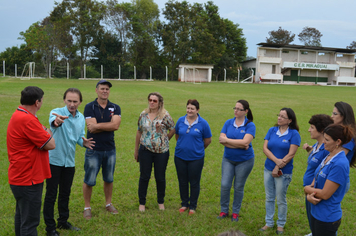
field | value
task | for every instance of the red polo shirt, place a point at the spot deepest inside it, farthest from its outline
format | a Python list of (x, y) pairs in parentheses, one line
[(29, 163)]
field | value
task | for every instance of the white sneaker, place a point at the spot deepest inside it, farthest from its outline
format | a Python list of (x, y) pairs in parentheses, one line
[(309, 234)]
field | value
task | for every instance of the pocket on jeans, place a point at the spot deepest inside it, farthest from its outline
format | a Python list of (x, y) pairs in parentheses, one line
[(89, 152)]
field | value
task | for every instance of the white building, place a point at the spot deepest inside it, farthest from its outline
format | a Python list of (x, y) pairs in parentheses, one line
[(195, 73), (297, 63)]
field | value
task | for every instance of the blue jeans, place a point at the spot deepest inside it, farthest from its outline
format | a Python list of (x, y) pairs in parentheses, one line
[(230, 170), (189, 173), (96, 159), (276, 187)]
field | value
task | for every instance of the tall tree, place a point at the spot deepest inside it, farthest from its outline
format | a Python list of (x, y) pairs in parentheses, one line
[(236, 49), (206, 34), (108, 52), (310, 36), (176, 33), (118, 22), (280, 36), (40, 38), (85, 18), (197, 34), (144, 20)]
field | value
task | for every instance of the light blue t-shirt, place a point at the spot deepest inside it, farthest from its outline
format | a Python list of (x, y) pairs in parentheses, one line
[(279, 145), (190, 143), (66, 137), (336, 170), (234, 132)]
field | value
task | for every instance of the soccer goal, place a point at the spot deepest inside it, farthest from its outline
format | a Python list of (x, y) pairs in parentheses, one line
[(28, 71), (193, 76)]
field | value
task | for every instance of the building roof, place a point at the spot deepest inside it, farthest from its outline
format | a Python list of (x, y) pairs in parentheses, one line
[(293, 46)]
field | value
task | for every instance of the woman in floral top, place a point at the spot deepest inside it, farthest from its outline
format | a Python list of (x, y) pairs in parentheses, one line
[(155, 129)]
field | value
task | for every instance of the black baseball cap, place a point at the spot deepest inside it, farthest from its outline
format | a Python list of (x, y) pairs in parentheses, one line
[(104, 82)]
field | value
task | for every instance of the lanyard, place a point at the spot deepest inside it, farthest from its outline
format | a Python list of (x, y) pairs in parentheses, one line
[(322, 165)]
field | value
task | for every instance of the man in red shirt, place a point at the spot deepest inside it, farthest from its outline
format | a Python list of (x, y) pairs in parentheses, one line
[(28, 142)]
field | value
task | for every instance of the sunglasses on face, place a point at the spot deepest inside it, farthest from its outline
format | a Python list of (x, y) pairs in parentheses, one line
[(153, 100)]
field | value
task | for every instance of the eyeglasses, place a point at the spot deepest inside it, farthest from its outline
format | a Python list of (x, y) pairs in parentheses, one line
[(238, 109), (153, 100), (282, 116), (335, 113), (188, 130)]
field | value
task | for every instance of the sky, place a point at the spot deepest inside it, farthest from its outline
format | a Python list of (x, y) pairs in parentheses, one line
[(334, 19)]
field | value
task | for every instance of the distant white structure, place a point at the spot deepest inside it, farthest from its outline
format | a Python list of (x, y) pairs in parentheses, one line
[(28, 70), (297, 63), (195, 73)]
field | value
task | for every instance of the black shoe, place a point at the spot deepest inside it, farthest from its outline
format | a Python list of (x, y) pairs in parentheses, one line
[(67, 226), (52, 233)]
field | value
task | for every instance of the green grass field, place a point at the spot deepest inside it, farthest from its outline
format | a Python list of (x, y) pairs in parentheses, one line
[(216, 103)]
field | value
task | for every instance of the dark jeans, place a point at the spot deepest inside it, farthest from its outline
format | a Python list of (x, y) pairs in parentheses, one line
[(308, 208), (159, 161), (189, 173), (28, 208), (62, 177), (320, 228)]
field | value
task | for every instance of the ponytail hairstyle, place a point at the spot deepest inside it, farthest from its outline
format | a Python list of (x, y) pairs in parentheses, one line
[(291, 115), (246, 106), (342, 132)]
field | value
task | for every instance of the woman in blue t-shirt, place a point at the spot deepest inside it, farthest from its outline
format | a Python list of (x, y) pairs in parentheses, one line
[(316, 152), (343, 114), (193, 135), (281, 144), (238, 160), (329, 185)]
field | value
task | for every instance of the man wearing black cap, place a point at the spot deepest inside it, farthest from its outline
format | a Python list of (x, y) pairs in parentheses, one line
[(102, 118)]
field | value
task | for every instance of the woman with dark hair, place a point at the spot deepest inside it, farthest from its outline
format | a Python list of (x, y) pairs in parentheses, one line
[(316, 152), (193, 135), (155, 129), (329, 185), (344, 114), (281, 144), (238, 160)]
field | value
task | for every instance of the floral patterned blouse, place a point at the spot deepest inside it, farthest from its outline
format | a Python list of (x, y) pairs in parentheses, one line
[(154, 133)]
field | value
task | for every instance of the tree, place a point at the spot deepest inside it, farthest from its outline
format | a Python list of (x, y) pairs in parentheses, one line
[(207, 34), (176, 33), (118, 22), (15, 55), (144, 20), (108, 52), (280, 36), (84, 18), (236, 49), (197, 34), (310, 36), (352, 45), (40, 39)]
